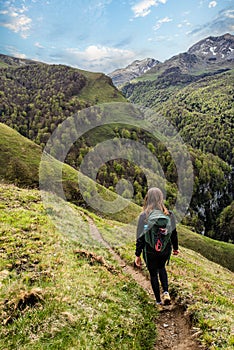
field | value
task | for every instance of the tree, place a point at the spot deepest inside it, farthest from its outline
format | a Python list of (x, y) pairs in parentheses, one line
[(225, 224)]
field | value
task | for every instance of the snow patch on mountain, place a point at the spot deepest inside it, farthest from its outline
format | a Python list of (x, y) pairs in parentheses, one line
[(218, 48)]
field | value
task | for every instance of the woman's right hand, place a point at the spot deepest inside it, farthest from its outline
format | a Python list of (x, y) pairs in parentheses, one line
[(138, 261), (175, 252)]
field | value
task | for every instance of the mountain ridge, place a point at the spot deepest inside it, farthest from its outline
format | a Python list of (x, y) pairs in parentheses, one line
[(207, 55), (224, 47)]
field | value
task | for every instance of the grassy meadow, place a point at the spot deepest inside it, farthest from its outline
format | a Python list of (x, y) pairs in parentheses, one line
[(205, 289), (56, 292)]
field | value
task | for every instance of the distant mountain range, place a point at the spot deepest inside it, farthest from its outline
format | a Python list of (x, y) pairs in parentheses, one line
[(208, 55)]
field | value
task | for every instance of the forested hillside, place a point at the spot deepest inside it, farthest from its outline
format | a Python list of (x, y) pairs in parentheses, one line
[(201, 107), (35, 98)]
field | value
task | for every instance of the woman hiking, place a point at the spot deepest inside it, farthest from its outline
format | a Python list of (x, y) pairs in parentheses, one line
[(154, 256)]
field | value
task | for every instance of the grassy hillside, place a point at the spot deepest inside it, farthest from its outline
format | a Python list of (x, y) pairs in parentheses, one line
[(20, 160), (99, 89), (204, 288), (63, 290), (63, 293), (219, 252)]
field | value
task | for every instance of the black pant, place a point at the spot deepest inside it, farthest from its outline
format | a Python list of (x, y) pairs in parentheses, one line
[(156, 265), (155, 282)]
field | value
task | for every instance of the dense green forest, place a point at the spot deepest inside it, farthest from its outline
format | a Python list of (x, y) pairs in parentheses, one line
[(37, 98), (200, 107)]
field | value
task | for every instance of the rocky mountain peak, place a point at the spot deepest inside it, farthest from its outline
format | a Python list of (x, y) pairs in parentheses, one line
[(141, 66), (215, 48), (133, 70)]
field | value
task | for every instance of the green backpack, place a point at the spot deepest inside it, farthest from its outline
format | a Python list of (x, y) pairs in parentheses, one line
[(157, 231)]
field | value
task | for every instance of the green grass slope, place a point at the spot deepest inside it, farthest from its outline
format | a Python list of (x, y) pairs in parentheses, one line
[(19, 158), (63, 292), (204, 288), (219, 252), (99, 89), (60, 289), (19, 164)]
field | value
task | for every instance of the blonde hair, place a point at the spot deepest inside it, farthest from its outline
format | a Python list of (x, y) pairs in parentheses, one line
[(154, 200)]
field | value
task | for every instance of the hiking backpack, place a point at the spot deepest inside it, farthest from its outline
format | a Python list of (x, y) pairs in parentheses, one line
[(158, 230)]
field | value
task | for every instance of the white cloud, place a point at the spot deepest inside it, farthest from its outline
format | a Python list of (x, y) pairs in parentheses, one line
[(99, 58), (212, 4), (143, 8), (222, 23), (17, 21), (14, 52), (20, 24), (230, 13), (37, 44), (161, 21)]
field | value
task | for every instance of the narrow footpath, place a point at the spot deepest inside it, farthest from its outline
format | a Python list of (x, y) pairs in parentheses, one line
[(173, 327)]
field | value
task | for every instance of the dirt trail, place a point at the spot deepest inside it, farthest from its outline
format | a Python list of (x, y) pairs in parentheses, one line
[(174, 330)]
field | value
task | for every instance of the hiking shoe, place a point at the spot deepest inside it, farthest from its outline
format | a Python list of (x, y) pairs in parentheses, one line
[(159, 307), (166, 298)]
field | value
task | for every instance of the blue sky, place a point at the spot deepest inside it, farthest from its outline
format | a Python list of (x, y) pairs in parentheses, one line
[(102, 35)]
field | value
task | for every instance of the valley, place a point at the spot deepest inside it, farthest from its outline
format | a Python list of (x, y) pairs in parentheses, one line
[(78, 152)]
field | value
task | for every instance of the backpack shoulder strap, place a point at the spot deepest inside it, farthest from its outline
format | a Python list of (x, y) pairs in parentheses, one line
[(157, 217)]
